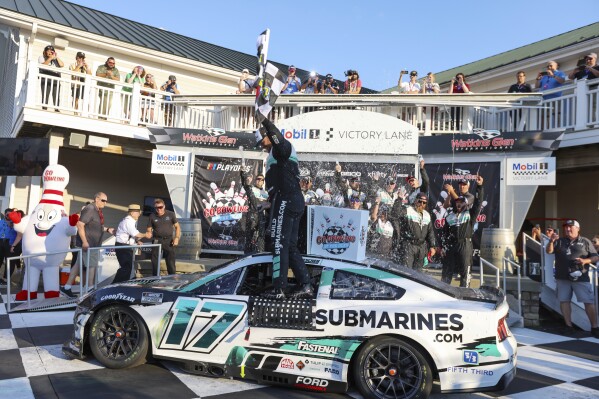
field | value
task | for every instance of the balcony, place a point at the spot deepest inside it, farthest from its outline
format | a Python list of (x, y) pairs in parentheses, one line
[(87, 102)]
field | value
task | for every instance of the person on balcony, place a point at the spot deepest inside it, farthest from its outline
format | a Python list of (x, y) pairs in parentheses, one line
[(411, 87), (293, 83), (246, 84), (106, 71), (589, 70), (148, 103), (50, 86), (573, 255), (550, 79), (458, 85), (353, 84), (430, 86), (80, 66), (170, 86), (520, 86), (329, 86), (137, 75)]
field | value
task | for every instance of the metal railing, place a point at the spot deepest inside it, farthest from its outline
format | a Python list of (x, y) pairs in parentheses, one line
[(526, 238), (507, 261), (483, 262)]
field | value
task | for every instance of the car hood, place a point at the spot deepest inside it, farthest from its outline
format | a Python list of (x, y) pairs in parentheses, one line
[(172, 282)]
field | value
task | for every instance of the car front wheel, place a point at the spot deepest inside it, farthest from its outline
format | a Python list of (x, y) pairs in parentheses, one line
[(118, 337), (389, 368)]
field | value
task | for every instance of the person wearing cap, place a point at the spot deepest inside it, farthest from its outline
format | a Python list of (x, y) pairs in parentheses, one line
[(293, 83), (589, 70), (127, 234), (411, 87), (413, 231), (287, 208), (81, 68), (414, 186), (380, 233), (456, 238), (161, 225), (329, 86), (255, 222), (107, 71), (137, 75), (50, 86), (351, 191), (353, 84), (310, 196), (246, 84), (573, 255), (389, 194), (462, 191), (170, 86)]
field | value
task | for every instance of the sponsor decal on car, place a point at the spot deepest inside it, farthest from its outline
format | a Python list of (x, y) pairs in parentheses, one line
[(300, 365), (305, 346), (391, 320), (151, 297), (470, 357), (469, 370), (286, 364), (117, 297), (313, 384)]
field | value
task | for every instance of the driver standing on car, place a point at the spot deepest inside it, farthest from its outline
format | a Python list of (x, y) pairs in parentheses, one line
[(285, 195)]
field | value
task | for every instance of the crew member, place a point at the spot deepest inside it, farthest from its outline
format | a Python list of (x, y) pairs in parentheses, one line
[(351, 191), (457, 237), (285, 195), (127, 234), (255, 223), (414, 185), (413, 227), (160, 225)]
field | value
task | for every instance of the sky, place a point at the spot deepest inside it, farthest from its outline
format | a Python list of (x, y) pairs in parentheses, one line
[(378, 38)]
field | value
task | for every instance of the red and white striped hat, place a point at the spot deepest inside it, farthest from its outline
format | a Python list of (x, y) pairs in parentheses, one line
[(54, 181)]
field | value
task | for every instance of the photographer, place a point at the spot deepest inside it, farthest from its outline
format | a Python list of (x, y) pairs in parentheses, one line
[(550, 79), (312, 85), (586, 69), (246, 85), (170, 86), (329, 86), (50, 86), (353, 84), (411, 87), (293, 83), (573, 255), (80, 66)]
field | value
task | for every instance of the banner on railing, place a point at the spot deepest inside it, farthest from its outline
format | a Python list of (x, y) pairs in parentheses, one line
[(209, 137), (220, 202), (24, 156), (530, 171), (482, 140), (451, 173)]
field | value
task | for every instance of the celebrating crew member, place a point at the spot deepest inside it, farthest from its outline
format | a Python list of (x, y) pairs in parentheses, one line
[(414, 232), (282, 185), (255, 225), (351, 191), (457, 237), (415, 186)]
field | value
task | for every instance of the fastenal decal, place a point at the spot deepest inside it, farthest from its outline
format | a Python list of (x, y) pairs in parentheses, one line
[(117, 297), (304, 346)]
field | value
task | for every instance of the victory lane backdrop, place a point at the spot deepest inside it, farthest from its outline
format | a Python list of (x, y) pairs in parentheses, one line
[(451, 173), (220, 201)]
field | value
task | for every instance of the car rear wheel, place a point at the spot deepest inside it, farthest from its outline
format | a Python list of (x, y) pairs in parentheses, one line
[(389, 368), (118, 337)]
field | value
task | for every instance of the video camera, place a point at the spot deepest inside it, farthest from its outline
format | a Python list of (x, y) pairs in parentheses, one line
[(349, 72)]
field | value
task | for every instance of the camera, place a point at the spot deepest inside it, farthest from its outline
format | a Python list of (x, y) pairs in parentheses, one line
[(581, 63), (544, 73), (349, 72), (404, 71), (312, 74)]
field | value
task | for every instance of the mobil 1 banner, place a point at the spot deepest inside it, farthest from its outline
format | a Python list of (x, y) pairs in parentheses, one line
[(373, 177), (451, 173), (220, 201)]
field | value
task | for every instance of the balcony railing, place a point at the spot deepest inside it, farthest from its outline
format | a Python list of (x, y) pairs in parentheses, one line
[(92, 97)]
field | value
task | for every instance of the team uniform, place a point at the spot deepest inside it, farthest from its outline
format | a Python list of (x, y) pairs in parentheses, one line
[(255, 223), (162, 227), (415, 234), (456, 241)]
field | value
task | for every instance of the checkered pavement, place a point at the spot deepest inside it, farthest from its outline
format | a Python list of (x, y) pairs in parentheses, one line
[(32, 365)]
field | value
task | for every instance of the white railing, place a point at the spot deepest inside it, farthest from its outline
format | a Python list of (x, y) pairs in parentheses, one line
[(576, 108)]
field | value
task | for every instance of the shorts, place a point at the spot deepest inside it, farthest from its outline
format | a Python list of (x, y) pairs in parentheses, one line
[(582, 289), (94, 257)]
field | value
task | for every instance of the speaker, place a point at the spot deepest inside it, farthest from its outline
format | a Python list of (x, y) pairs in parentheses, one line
[(77, 140)]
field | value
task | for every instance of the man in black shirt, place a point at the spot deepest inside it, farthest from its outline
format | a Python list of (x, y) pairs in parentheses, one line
[(590, 69), (520, 86), (160, 225), (573, 255)]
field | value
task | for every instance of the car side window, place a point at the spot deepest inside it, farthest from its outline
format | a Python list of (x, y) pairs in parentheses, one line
[(347, 285), (258, 279), (223, 285)]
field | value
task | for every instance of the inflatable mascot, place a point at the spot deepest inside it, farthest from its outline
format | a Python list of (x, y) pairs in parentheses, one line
[(47, 229)]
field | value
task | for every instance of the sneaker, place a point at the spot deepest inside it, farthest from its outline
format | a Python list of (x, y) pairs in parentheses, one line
[(595, 332), (568, 330), (303, 293), (276, 293), (68, 292)]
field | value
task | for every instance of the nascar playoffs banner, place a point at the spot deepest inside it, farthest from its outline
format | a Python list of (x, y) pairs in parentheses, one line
[(220, 202), (447, 173)]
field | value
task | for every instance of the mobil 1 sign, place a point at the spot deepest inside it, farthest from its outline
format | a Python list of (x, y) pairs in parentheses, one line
[(538, 171), (169, 162)]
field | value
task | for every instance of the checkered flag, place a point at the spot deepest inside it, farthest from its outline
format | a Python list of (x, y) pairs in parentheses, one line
[(486, 134), (273, 83)]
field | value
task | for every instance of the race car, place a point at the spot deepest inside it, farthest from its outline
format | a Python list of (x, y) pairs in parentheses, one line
[(388, 330)]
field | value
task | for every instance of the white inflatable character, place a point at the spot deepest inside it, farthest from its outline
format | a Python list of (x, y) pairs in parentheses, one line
[(47, 229)]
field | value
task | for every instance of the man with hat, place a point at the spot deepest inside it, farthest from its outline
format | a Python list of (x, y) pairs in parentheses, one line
[(351, 190), (170, 86), (413, 229), (463, 187), (573, 256), (456, 239), (293, 83), (127, 234), (246, 84), (285, 195), (82, 68), (414, 185), (411, 87), (255, 222), (329, 86), (589, 70)]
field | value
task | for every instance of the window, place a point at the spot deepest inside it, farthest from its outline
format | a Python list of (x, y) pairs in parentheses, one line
[(348, 285), (223, 285), (258, 279)]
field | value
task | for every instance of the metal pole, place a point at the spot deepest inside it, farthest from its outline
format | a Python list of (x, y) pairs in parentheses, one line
[(480, 261)]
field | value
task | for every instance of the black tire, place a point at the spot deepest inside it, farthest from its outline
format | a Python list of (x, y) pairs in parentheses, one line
[(390, 368), (118, 337)]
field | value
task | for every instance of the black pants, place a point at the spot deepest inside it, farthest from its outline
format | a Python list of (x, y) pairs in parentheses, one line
[(52, 87), (412, 255), (458, 259), (254, 232), (168, 253), (125, 258), (284, 228), (4, 252)]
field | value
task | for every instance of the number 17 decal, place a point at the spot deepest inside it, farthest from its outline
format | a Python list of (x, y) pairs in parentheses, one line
[(198, 325)]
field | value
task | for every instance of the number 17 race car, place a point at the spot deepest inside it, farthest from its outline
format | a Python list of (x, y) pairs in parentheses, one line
[(387, 330)]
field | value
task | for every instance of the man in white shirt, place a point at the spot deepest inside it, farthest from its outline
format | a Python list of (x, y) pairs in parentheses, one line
[(127, 234)]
